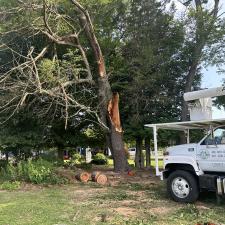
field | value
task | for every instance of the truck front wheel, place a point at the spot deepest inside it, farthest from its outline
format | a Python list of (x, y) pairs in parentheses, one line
[(182, 186)]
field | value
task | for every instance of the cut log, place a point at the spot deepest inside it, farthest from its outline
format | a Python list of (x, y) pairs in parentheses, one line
[(83, 176), (95, 175), (101, 179)]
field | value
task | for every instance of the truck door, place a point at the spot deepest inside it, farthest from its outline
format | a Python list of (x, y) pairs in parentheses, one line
[(211, 151)]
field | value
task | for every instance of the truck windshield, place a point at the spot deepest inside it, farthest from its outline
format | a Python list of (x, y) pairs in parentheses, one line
[(217, 138)]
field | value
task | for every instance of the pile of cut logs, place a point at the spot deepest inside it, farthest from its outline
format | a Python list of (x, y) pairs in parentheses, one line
[(97, 177)]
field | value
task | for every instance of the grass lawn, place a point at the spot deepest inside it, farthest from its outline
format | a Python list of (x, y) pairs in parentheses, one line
[(126, 203)]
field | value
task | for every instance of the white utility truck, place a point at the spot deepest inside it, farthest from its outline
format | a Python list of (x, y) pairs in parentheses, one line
[(193, 167)]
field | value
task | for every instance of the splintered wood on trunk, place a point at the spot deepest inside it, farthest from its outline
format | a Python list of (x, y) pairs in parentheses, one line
[(114, 114)]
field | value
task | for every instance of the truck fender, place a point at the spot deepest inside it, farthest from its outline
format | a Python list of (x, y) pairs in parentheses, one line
[(187, 163)]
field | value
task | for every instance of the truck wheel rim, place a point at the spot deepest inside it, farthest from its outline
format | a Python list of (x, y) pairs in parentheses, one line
[(180, 187)]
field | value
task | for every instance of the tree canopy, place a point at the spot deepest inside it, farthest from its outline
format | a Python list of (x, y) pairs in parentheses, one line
[(65, 63)]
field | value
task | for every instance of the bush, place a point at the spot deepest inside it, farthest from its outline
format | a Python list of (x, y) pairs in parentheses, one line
[(9, 173), (3, 163), (10, 186), (85, 166), (37, 172), (99, 159), (76, 158)]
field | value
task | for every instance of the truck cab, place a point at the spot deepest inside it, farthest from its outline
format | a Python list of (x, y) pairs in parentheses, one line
[(209, 153), (193, 167)]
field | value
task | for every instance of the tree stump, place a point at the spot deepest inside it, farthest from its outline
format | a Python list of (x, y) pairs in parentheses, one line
[(83, 176), (99, 178)]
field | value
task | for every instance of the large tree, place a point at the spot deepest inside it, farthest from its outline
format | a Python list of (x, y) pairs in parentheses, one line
[(204, 29), (149, 80), (56, 76)]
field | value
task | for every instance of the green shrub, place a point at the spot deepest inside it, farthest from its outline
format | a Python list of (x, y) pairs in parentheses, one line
[(75, 161), (85, 166), (36, 172), (99, 159), (9, 172), (3, 163), (76, 158), (10, 186)]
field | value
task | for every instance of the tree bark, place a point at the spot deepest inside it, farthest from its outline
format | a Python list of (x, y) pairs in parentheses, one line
[(139, 159), (116, 135), (148, 153), (191, 76)]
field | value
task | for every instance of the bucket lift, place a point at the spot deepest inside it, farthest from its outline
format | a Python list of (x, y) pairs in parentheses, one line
[(200, 102)]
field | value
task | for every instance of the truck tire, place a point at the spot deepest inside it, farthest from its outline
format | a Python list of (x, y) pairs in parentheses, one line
[(182, 186)]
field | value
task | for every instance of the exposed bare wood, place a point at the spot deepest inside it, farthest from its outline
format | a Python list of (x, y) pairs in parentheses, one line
[(113, 109)]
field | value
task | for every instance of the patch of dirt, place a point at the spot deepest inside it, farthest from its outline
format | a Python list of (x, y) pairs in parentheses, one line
[(143, 177), (126, 211), (202, 207), (85, 193), (161, 210), (128, 203), (30, 187)]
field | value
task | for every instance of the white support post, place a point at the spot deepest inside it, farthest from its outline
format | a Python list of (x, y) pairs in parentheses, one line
[(156, 151), (188, 136)]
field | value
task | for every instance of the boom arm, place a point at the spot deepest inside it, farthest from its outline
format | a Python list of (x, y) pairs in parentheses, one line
[(207, 93)]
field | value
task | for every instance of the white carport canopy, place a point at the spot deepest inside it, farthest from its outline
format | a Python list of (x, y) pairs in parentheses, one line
[(188, 125), (181, 126)]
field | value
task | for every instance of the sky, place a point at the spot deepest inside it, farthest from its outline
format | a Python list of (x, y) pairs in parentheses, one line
[(211, 78)]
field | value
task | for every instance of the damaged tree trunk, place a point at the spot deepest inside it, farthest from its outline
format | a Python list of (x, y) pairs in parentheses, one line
[(116, 135), (108, 103)]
